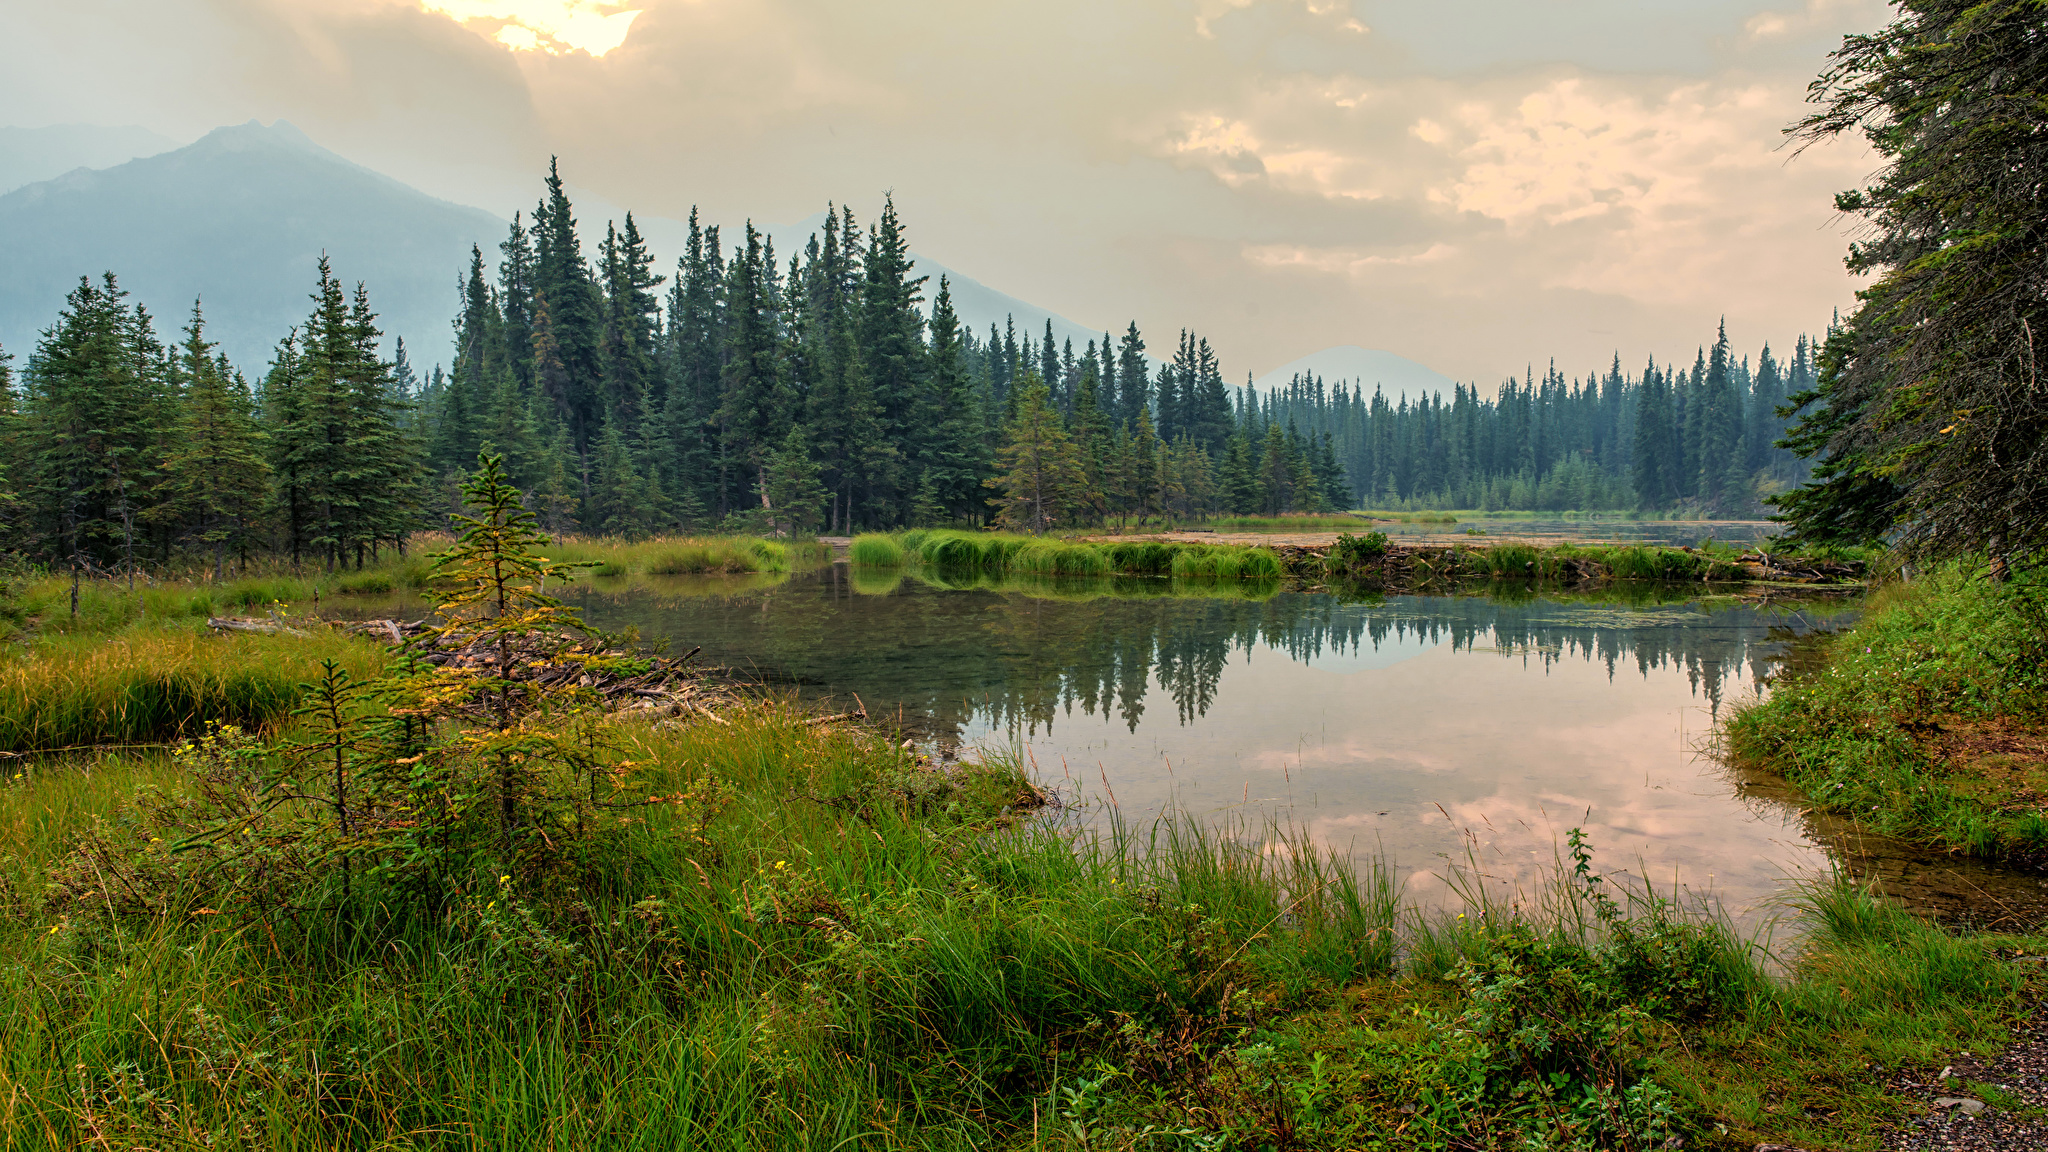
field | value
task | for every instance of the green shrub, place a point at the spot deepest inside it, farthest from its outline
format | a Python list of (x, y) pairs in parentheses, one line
[(1355, 551)]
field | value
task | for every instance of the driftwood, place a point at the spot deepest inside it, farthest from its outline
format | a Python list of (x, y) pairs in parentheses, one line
[(252, 624), (631, 687)]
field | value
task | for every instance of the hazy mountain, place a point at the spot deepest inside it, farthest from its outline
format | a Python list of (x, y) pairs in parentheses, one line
[(240, 218), (31, 154), (1398, 375)]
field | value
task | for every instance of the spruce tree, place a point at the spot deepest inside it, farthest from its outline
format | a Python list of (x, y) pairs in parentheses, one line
[(1038, 476), (215, 479), (91, 392)]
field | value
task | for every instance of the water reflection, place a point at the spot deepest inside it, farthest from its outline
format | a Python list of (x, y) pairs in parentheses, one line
[(1425, 727), (1013, 656)]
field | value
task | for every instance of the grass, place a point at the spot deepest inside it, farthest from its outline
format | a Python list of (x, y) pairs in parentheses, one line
[(819, 939), (1927, 721), (141, 688), (1301, 523), (876, 550), (689, 555), (1074, 588), (1710, 563), (842, 936), (991, 552)]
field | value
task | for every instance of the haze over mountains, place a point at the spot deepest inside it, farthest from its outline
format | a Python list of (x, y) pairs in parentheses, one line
[(241, 216), (28, 155)]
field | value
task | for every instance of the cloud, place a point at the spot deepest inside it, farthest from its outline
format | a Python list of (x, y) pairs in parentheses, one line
[(552, 26), (1467, 189)]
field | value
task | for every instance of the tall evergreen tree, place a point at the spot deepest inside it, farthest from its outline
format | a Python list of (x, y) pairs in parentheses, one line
[(216, 481)]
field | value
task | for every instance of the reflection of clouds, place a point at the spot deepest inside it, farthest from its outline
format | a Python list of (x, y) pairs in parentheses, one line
[(1468, 755)]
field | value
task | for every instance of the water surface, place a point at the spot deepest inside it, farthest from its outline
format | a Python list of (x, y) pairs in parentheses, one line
[(1429, 728)]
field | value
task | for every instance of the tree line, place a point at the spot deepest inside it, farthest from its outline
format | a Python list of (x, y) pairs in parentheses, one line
[(740, 392), (1704, 438)]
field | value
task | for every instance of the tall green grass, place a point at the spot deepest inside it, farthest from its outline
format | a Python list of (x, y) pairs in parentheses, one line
[(142, 688), (821, 932), (952, 551), (689, 555), (876, 550)]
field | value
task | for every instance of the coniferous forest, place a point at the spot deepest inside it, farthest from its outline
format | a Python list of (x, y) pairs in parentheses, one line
[(835, 391)]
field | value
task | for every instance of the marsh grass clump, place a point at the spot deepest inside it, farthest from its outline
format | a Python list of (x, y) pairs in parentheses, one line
[(151, 688), (1227, 562), (686, 555), (1001, 553)]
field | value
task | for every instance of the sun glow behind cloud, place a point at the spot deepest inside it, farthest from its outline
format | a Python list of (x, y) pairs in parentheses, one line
[(553, 26)]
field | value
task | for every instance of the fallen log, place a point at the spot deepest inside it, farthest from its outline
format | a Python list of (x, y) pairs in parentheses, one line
[(249, 624)]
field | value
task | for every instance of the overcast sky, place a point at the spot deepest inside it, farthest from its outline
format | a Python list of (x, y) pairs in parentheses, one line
[(1473, 184)]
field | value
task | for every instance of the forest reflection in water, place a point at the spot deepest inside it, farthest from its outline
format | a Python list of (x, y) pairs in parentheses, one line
[(1426, 728)]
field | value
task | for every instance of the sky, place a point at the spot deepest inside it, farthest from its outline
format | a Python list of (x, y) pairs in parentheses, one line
[(1474, 184)]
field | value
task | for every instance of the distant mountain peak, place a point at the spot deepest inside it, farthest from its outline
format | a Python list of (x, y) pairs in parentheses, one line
[(254, 134), (239, 218)]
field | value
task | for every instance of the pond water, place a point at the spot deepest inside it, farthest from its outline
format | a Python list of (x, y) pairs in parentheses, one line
[(1435, 730)]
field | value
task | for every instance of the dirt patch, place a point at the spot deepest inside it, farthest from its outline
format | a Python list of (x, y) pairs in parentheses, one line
[(2003, 760)]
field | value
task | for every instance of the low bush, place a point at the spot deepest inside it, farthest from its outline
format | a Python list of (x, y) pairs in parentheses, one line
[(1349, 551)]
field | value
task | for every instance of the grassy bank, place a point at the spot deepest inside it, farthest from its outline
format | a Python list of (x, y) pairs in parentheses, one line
[(1374, 558), (439, 913), (107, 605), (144, 688), (1002, 553), (1927, 721), (827, 942), (689, 555)]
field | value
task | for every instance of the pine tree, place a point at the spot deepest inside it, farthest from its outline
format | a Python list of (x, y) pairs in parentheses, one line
[(955, 456), (215, 480), (892, 345), (575, 312), (1038, 476), (795, 497), (91, 391)]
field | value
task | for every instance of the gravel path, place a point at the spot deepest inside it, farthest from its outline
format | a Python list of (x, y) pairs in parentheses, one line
[(1951, 1119)]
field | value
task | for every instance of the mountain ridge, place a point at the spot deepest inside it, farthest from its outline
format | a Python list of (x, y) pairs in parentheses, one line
[(240, 217)]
